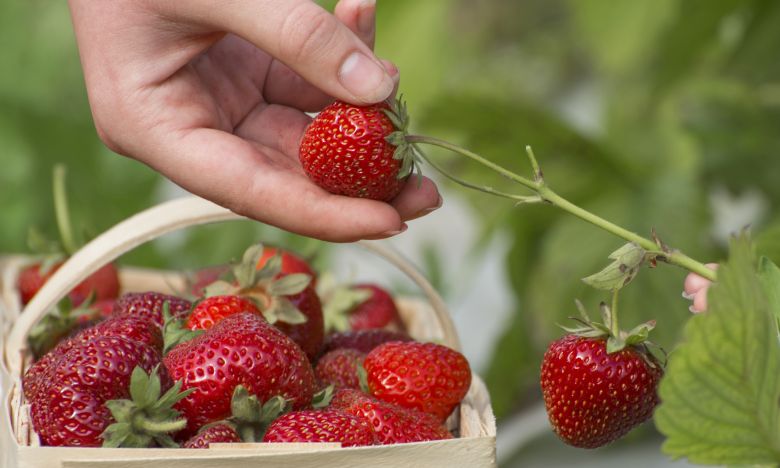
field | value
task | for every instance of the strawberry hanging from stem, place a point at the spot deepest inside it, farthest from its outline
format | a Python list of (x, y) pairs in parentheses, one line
[(599, 382)]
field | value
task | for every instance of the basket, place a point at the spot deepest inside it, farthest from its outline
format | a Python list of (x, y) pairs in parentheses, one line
[(473, 422)]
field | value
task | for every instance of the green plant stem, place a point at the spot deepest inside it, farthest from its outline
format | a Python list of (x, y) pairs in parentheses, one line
[(160, 427), (614, 326), (61, 210), (548, 195)]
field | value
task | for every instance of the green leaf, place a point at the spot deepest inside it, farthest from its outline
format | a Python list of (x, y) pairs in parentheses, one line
[(289, 284), (720, 394), (284, 311), (628, 260)]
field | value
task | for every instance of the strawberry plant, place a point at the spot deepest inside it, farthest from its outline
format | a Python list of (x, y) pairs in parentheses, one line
[(588, 402)]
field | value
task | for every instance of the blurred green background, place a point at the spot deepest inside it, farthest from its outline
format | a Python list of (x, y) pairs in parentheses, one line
[(656, 114)]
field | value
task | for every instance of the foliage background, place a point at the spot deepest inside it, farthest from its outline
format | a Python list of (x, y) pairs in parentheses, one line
[(653, 113)]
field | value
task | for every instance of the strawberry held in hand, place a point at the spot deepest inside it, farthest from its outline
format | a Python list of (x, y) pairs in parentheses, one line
[(598, 385), (359, 151)]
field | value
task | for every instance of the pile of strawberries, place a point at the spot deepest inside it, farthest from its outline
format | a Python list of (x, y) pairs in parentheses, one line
[(244, 355)]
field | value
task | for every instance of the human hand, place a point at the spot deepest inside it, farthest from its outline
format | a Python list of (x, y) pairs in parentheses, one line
[(696, 288), (213, 95)]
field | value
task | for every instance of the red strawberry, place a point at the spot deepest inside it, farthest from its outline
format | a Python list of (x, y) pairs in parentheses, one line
[(218, 433), (594, 397), (104, 283), (359, 151), (131, 328), (340, 368), (359, 307), (309, 334), (213, 309), (62, 321), (198, 280), (330, 425), (378, 311), (599, 382), (149, 305), (362, 340), (69, 408), (425, 376), (286, 300), (391, 423), (291, 263), (242, 349)]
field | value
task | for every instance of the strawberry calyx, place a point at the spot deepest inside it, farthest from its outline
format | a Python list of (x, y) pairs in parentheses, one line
[(146, 417), (616, 339), (59, 322), (264, 287), (250, 417), (338, 302), (322, 398), (406, 152), (175, 330)]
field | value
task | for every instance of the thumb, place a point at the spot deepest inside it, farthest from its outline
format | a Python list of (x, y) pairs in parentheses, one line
[(309, 40)]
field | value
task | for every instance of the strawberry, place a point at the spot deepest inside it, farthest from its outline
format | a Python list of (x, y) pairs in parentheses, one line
[(362, 340), (240, 350), (286, 300), (391, 423), (359, 151), (291, 263), (196, 281), (378, 311), (340, 368), (359, 307), (329, 425), (103, 284), (424, 376), (60, 322), (221, 433), (597, 383), (131, 328), (309, 334), (68, 407), (212, 309), (149, 306)]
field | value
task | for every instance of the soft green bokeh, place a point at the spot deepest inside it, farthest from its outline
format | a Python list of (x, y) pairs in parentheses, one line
[(637, 110)]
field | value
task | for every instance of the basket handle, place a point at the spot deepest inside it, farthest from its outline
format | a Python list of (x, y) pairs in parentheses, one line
[(155, 222)]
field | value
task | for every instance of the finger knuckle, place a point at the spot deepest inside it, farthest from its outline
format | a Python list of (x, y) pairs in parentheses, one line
[(306, 33)]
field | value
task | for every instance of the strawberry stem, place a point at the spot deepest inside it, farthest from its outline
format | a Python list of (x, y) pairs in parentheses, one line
[(546, 194), (61, 210), (613, 323)]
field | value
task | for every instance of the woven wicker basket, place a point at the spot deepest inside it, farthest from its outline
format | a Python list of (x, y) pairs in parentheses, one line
[(426, 320)]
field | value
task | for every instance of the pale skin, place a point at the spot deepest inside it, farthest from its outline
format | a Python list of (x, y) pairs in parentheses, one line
[(214, 96), (695, 289)]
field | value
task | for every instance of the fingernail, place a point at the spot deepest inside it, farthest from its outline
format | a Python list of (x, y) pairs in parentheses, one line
[(426, 211), (688, 296), (364, 78), (366, 14), (387, 234), (392, 70), (693, 310)]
